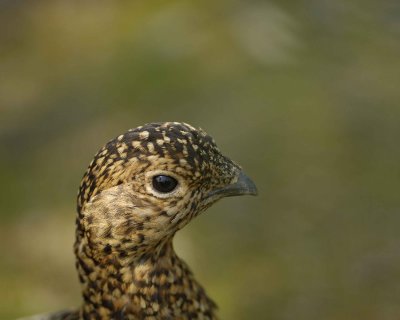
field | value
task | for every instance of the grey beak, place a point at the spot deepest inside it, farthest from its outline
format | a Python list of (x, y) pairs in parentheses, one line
[(243, 186)]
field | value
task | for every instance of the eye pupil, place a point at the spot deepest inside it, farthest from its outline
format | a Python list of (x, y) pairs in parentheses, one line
[(164, 183)]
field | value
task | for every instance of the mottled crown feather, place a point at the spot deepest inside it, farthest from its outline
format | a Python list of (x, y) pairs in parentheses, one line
[(172, 140)]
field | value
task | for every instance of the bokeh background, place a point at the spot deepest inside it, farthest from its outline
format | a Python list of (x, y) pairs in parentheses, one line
[(304, 94)]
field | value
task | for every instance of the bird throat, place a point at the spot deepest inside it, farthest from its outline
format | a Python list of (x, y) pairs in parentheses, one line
[(157, 285)]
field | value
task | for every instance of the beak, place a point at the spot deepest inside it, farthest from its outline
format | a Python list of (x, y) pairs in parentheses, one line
[(244, 185)]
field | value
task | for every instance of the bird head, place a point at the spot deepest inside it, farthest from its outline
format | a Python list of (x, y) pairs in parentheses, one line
[(146, 184)]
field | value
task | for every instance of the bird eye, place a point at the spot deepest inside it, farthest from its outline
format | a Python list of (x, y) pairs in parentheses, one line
[(164, 184)]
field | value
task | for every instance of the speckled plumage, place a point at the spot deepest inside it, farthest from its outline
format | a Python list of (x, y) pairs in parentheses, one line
[(126, 263)]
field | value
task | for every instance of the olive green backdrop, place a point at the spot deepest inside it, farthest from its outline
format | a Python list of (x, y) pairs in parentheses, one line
[(303, 94)]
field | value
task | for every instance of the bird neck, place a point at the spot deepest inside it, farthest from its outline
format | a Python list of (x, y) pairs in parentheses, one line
[(155, 284)]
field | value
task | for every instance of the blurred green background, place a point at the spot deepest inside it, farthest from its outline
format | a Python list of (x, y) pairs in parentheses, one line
[(303, 94)]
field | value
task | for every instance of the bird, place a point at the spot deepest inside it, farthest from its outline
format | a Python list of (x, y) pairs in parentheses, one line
[(138, 191)]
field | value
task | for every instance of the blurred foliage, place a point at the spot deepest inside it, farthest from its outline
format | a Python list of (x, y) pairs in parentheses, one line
[(304, 94)]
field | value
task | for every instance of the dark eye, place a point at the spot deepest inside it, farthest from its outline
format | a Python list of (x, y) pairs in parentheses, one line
[(164, 184)]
